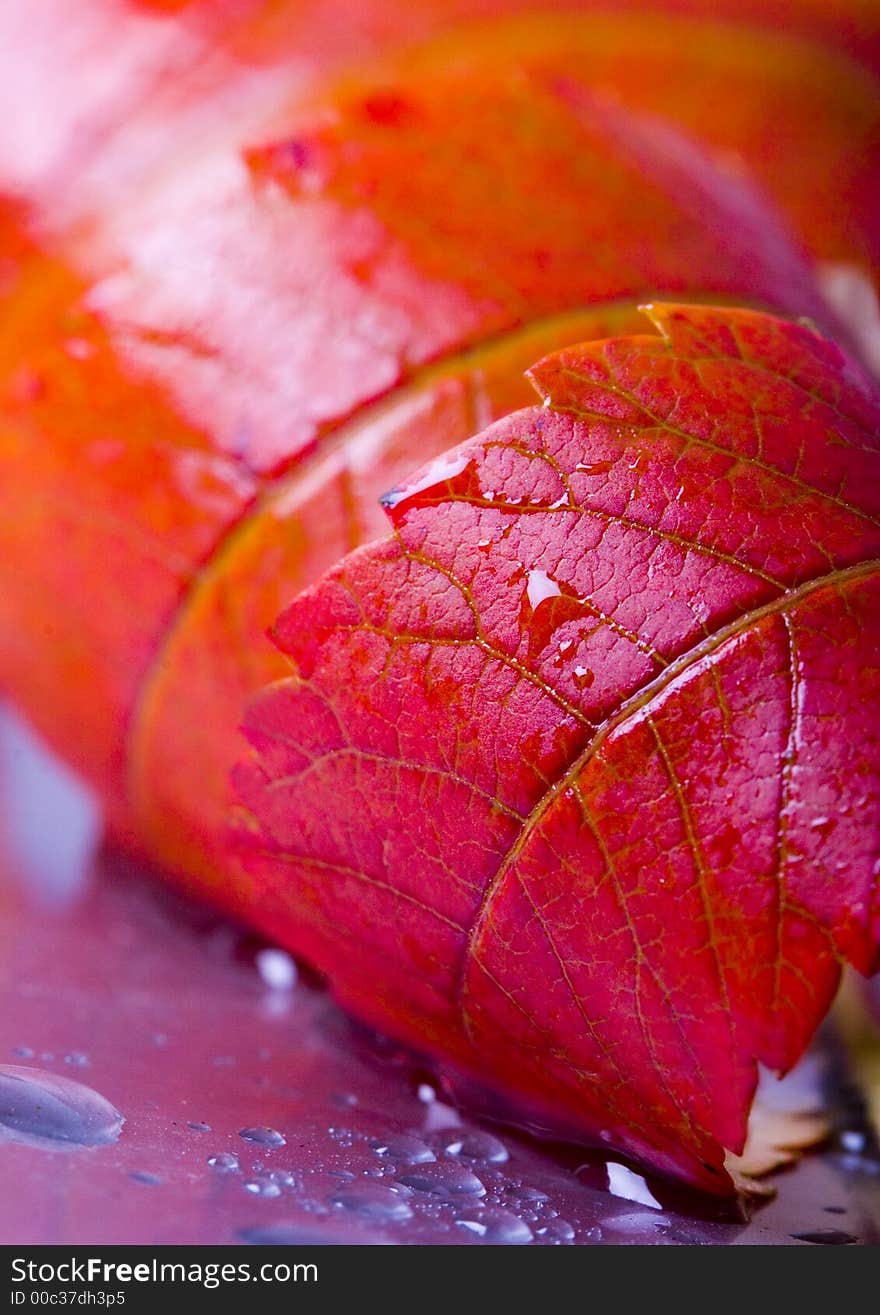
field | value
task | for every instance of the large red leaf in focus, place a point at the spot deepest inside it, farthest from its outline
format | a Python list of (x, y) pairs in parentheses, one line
[(575, 782)]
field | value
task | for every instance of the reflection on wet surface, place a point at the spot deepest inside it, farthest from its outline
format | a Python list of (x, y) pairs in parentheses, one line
[(255, 1112)]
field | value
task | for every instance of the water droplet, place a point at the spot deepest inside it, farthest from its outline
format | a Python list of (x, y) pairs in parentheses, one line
[(199, 1127), (563, 652), (498, 1227), (403, 1148), (277, 969), (284, 1178), (224, 1162), (262, 1136), (373, 1201), (594, 467), (262, 1187), (823, 825), (854, 1142), (630, 1186), (426, 1093), (524, 1192), (148, 1179), (53, 1110), (436, 481), (76, 1059), (557, 1232), (479, 1147), (539, 586), (583, 677), (826, 1237), (23, 1052), (447, 1179)]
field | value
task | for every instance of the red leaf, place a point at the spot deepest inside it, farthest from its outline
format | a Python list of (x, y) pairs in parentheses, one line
[(576, 782)]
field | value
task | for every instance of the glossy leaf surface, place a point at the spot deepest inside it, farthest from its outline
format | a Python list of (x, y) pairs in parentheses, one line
[(576, 781)]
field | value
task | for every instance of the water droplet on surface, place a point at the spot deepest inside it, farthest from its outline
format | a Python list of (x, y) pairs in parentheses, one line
[(524, 1192), (583, 677), (277, 969), (594, 467), (497, 1227), (438, 480), (199, 1127), (557, 1232), (373, 1201), (23, 1052), (262, 1187), (262, 1136), (148, 1179), (54, 1111), (540, 586), (283, 1177), (445, 1179), (630, 1186), (826, 1237), (403, 1148), (76, 1059), (224, 1162), (824, 826), (854, 1142), (477, 1146)]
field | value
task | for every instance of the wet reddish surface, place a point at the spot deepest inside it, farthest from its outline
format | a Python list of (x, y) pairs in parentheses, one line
[(112, 981)]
